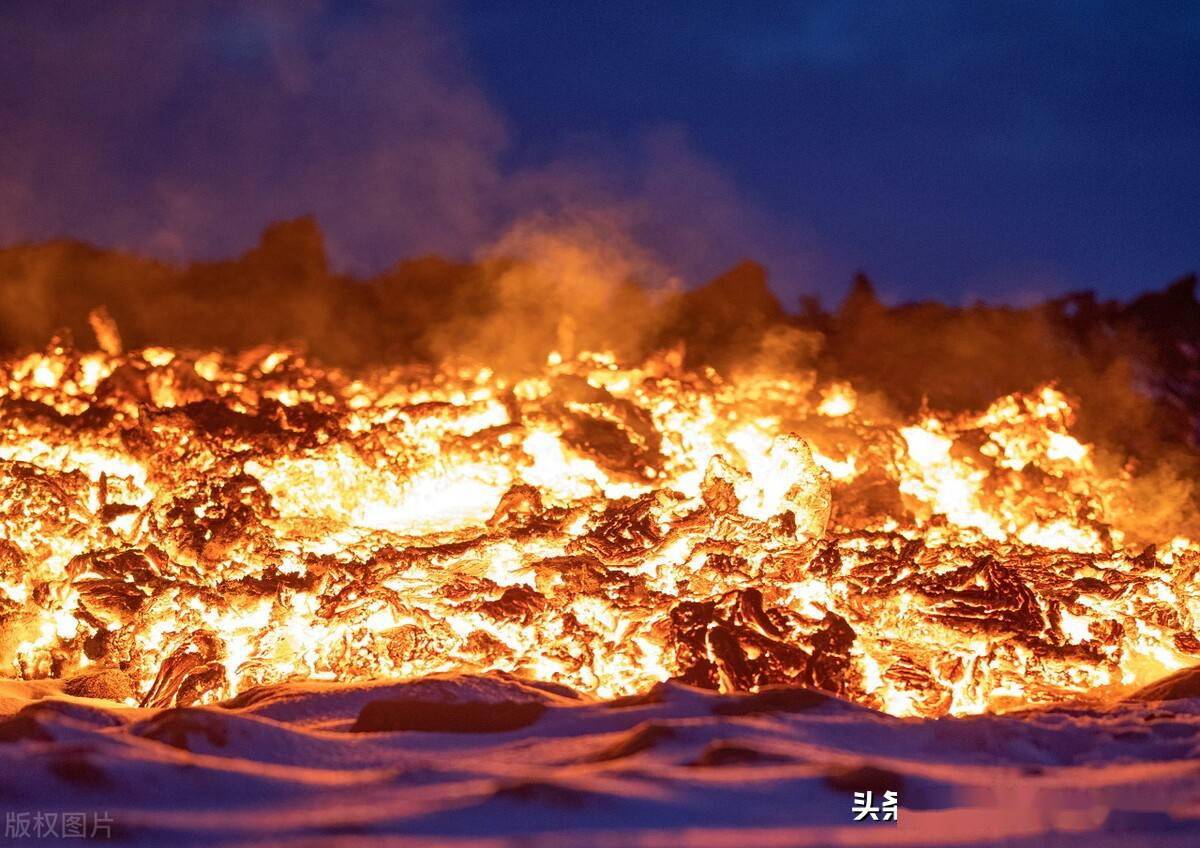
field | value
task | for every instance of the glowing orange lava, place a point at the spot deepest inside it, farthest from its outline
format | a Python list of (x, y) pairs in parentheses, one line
[(204, 523)]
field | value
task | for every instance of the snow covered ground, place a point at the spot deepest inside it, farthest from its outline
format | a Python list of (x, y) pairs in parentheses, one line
[(481, 761)]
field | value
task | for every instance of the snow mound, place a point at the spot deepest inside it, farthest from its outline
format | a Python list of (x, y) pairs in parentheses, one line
[(484, 760)]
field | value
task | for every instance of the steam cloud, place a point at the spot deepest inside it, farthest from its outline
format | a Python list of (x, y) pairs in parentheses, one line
[(180, 130)]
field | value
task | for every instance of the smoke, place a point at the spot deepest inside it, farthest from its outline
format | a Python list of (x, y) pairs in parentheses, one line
[(577, 282), (181, 130)]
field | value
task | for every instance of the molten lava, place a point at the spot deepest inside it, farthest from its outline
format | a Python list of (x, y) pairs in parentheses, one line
[(203, 523)]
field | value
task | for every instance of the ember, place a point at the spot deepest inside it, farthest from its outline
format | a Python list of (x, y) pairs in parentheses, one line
[(206, 522)]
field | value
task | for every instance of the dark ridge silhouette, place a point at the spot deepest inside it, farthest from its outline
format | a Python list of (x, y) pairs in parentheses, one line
[(723, 320), (1134, 366)]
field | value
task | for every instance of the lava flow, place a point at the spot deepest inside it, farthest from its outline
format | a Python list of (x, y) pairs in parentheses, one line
[(201, 523)]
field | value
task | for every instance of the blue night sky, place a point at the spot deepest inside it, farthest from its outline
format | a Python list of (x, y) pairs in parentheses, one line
[(962, 150)]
